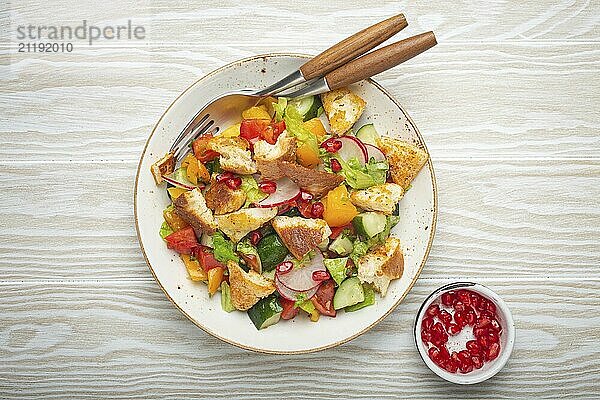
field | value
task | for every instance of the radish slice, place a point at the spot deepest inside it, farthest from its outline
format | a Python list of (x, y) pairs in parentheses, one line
[(293, 295), (170, 178), (301, 279), (374, 152), (286, 191), (352, 148)]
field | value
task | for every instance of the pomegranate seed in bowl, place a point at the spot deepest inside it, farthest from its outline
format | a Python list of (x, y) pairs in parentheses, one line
[(464, 333)]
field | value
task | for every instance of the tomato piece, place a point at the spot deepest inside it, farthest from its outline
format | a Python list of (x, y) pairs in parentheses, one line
[(252, 128), (271, 132), (305, 208), (206, 258), (289, 311), (323, 299), (183, 241), (201, 149)]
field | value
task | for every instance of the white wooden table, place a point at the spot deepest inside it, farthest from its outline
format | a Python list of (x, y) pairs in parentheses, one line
[(508, 102)]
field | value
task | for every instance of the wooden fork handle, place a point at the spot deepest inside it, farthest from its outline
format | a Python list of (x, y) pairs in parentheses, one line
[(380, 60), (352, 47)]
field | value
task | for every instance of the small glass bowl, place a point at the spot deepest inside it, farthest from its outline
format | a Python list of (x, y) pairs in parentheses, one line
[(507, 338)]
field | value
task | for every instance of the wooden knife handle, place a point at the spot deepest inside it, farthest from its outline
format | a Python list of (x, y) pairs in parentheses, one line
[(380, 60), (352, 47)]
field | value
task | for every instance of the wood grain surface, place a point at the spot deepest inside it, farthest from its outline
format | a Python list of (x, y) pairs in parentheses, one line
[(508, 103)]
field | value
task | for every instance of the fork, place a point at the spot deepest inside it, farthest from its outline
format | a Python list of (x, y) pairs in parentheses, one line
[(226, 108)]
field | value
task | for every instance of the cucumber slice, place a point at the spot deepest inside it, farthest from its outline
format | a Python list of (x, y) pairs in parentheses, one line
[(349, 293), (368, 301), (180, 175), (271, 251), (368, 134), (266, 312), (341, 245), (369, 224), (306, 106)]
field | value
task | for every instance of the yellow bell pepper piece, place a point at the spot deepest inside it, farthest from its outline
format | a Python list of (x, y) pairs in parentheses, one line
[(307, 157), (175, 192), (232, 131), (339, 210), (259, 112), (195, 271), (215, 277), (175, 221), (316, 127)]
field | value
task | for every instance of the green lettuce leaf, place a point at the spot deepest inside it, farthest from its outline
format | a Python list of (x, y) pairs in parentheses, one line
[(337, 268), (294, 124), (362, 177), (165, 230), (226, 304), (223, 248), (359, 249), (250, 187), (279, 108)]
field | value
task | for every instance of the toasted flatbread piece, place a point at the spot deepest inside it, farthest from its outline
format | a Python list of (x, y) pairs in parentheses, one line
[(247, 287), (222, 199), (191, 206), (316, 182), (164, 166), (382, 264), (238, 224), (382, 198), (301, 235), (343, 108), (268, 156), (405, 159)]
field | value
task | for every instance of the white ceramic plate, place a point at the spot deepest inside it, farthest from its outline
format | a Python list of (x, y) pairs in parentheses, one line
[(418, 211)]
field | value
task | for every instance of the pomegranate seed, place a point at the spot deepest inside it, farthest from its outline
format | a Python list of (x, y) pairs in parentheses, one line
[(452, 366), (463, 296), (306, 196), (479, 332), (444, 354), (486, 314), (483, 304), (317, 209), (224, 176), (285, 267), (437, 327), (496, 325), (255, 238), (464, 355), (319, 276), (493, 336), (234, 183), (425, 336), (454, 357), (433, 353), (269, 187), (473, 347), (445, 317), (459, 318), (470, 317), (454, 329), (459, 306), (427, 323), (491, 307), (482, 323), (474, 299), (483, 342), (493, 351), (477, 362), (433, 310), (466, 366), (448, 299), (335, 165), (332, 145)]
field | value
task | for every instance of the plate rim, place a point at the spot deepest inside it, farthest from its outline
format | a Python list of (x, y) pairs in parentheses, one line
[(339, 342)]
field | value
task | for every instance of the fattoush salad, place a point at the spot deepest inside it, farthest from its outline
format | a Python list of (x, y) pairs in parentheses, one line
[(290, 211)]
